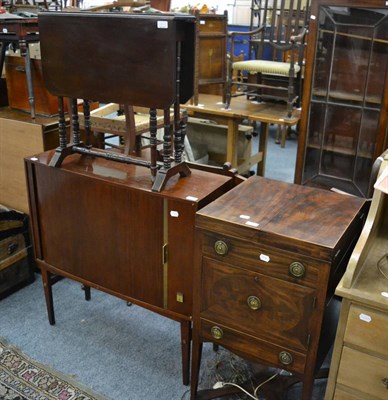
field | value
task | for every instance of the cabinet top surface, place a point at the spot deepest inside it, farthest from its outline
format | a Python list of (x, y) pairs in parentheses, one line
[(193, 188), (299, 213), (17, 116)]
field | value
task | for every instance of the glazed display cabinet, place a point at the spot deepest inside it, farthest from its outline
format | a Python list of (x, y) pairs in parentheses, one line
[(344, 123)]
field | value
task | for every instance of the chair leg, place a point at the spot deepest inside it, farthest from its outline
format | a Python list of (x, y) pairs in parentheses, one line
[(228, 95), (284, 135), (278, 131), (291, 97), (229, 84)]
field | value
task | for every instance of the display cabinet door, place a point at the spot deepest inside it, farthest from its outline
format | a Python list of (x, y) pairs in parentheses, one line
[(344, 127)]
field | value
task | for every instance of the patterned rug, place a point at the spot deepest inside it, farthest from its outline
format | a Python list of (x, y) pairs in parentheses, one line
[(23, 379)]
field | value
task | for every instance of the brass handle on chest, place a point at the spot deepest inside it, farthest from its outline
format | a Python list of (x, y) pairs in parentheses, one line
[(297, 269), (285, 357), (221, 248), (217, 332), (254, 303), (12, 247)]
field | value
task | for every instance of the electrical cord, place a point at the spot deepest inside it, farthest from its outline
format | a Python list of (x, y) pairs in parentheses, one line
[(253, 396), (185, 393), (222, 384), (263, 383), (227, 367)]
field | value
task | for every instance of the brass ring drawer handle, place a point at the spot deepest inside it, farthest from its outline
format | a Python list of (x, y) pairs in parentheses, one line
[(254, 303), (217, 332), (285, 358), (297, 269), (221, 248)]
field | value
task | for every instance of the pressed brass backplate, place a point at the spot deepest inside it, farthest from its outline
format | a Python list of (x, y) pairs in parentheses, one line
[(220, 247), (285, 357), (217, 332), (297, 269), (254, 303)]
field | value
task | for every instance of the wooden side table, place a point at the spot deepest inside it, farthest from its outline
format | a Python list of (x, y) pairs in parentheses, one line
[(269, 256), (211, 107), (167, 38), (21, 31)]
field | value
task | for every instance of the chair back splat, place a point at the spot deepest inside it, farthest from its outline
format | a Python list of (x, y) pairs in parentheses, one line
[(274, 70), (142, 60)]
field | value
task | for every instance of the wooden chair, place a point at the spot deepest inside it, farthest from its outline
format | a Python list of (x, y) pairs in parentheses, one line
[(274, 69), (211, 54)]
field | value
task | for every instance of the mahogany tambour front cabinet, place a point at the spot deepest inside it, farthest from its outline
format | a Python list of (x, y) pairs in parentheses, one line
[(269, 255), (98, 222), (344, 125)]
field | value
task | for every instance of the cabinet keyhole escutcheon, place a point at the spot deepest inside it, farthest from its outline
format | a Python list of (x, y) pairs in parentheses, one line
[(217, 332), (221, 248), (254, 303), (297, 269)]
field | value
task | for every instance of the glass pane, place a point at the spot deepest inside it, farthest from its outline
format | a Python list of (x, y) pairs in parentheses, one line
[(314, 140), (350, 71), (378, 64), (349, 39), (368, 134), (366, 149), (340, 141), (324, 54)]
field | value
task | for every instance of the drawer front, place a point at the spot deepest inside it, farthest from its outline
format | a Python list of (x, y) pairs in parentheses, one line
[(12, 249), (271, 262), (367, 328), (15, 276), (258, 305), (276, 356), (342, 395), (363, 373)]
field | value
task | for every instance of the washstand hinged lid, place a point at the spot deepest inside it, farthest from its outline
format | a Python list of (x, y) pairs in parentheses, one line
[(310, 220)]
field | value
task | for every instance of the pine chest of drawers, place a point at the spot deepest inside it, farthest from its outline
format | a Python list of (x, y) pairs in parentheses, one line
[(269, 256), (359, 366)]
